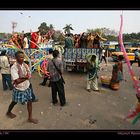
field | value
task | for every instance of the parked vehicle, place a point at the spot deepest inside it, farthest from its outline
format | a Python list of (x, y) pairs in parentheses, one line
[(74, 58), (129, 50)]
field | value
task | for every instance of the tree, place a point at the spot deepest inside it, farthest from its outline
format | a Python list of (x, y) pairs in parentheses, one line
[(43, 28), (103, 31), (51, 27), (94, 30), (58, 36), (67, 29)]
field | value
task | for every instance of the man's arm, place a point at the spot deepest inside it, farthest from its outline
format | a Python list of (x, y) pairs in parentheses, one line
[(20, 80), (15, 76)]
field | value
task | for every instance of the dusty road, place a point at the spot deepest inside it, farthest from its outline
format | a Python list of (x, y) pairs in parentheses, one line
[(84, 111)]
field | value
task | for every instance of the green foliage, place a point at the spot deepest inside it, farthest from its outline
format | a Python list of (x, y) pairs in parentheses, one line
[(58, 37), (103, 31), (67, 29), (5, 35), (110, 35), (133, 37), (43, 28)]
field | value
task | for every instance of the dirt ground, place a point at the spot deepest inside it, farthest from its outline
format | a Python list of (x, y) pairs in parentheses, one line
[(84, 111)]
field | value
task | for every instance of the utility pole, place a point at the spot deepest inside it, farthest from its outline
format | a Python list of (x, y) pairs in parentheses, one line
[(14, 25)]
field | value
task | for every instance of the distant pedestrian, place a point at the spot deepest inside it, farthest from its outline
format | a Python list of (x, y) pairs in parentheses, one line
[(137, 57), (103, 56)]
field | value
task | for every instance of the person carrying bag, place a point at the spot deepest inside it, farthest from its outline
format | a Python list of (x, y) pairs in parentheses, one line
[(59, 72), (55, 67)]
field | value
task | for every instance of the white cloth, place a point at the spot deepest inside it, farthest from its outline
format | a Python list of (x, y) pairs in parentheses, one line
[(103, 52), (4, 64), (26, 45), (39, 39), (15, 75), (93, 83)]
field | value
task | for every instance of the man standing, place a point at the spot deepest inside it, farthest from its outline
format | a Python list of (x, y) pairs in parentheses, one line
[(5, 71), (137, 59), (103, 56), (69, 41), (34, 39), (20, 73), (55, 68)]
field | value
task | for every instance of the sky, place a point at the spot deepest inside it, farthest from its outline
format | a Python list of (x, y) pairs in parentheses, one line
[(81, 20)]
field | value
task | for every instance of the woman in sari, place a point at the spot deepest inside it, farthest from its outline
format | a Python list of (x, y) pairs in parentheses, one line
[(117, 74), (92, 69)]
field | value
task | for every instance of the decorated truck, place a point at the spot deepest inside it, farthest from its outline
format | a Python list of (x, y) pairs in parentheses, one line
[(74, 58)]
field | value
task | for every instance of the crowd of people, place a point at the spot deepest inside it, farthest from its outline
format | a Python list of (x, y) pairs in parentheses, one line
[(33, 40), (18, 79), (18, 76), (83, 40)]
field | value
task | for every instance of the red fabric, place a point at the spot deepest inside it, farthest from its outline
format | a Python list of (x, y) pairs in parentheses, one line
[(43, 66), (34, 39), (134, 112)]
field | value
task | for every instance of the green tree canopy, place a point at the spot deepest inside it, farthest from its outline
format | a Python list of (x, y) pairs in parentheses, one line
[(43, 28), (104, 31), (67, 29)]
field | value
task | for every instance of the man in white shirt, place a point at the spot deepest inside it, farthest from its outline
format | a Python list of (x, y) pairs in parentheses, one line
[(20, 73), (103, 56), (5, 71)]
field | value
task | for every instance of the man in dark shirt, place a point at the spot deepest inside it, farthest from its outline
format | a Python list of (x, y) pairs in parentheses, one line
[(55, 68)]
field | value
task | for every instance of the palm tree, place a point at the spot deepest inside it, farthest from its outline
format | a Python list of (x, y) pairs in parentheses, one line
[(67, 29)]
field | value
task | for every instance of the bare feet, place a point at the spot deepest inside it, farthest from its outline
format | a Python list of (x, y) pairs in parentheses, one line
[(33, 121), (11, 115)]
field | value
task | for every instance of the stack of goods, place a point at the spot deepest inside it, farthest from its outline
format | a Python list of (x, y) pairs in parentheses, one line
[(105, 80)]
